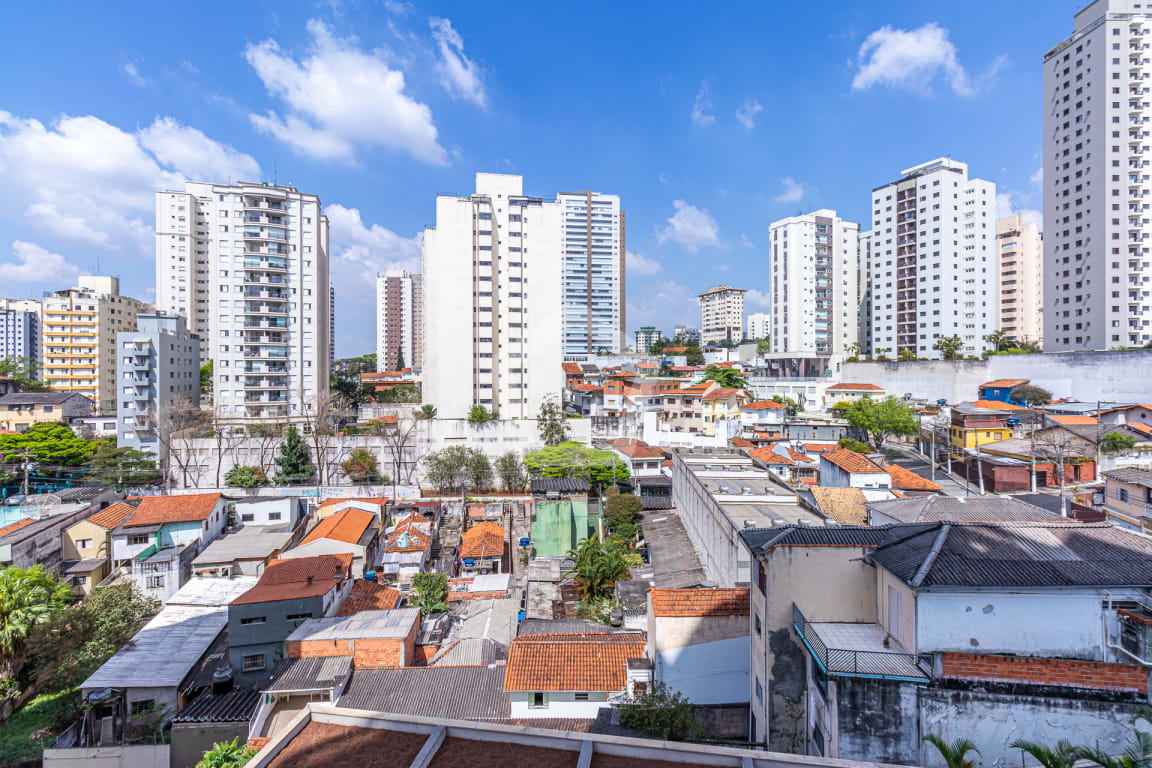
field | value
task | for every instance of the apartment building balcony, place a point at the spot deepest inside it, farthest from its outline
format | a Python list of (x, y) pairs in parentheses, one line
[(264, 217), (253, 232), (277, 396), (251, 382), (260, 351), (258, 308), (258, 278), (254, 292), (256, 338), (263, 204), (268, 263), (843, 649), (280, 323), (272, 249), (265, 368)]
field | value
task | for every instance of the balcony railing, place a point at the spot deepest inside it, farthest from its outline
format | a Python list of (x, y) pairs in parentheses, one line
[(888, 665)]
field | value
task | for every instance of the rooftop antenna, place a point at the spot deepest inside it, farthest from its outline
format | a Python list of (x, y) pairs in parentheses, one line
[(275, 170)]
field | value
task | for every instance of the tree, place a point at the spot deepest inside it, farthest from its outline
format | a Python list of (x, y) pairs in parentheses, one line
[(955, 754), (854, 445), (693, 355), (361, 467), (29, 597), (622, 509), (245, 477), (596, 567), (479, 469), (1116, 442), (431, 593), (1060, 447), (853, 351), (268, 436), (426, 412), (480, 415), (907, 354), (880, 419), (791, 407), (551, 422), (1032, 395), (399, 357), (510, 470), (49, 443), (447, 469), (206, 378), (330, 411), (110, 465), (998, 339), (228, 754), (23, 373), (294, 465), (175, 424), (1138, 755), (572, 459), (731, 378), (949, 347), (662, 712), (1063, 756)]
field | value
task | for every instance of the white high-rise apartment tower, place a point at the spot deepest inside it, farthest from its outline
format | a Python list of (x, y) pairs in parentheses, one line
[(493, 278), (759, 324), (722, 314), (1021, 248), (814, 261), (1097, 183), (247, 266), (399, 318), (592, 230), (934, 270)]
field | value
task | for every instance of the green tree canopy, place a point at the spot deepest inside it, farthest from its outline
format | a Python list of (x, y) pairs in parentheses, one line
[(48, 443), (880, 419), (660, 711), (572, 459), (206, 378), (597, 568), (725, 377), (693, 355), (361, 466), (1032, 395), (955, 755), (510, 470), (426, 412), (1116, 442), (242, 476), (949, 347), (29, 597), (294, 464), (478, 414), (479, 469), (622, 509), (110, 465), (551, 422), (431, 593), (227, 754), (458, 466), (23, 372)]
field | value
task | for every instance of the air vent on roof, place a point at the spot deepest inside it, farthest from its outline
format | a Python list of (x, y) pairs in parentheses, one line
[(751, 524), (804, 521), (779, 521), (748, 491), (831, 523)]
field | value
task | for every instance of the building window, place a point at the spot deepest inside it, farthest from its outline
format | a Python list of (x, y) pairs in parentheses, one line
[(1122, 494), (252, 662), (539, 700), (247, 517), (299, 616), (155, 582), (134, 540), (253, 620), (581, 697), (83, 543), (759, 691)]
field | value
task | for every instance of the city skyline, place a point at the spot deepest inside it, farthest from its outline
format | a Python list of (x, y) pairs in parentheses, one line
[(705, 149)]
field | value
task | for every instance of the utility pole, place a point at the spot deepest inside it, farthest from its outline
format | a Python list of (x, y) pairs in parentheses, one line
[(1032, 452), (26, 456), (979, 469)]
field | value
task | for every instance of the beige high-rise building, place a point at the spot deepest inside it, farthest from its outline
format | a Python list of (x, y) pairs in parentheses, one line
[(1021, 247), (79, 337), (722, 314)]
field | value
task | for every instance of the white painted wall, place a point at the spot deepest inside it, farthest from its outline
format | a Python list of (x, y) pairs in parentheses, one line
[(559, 704), (708, 673)]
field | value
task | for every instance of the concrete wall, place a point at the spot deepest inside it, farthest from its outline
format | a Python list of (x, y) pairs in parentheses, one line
[(559, 704), (1085, 376), (876, 720), (993, 720), (131, 756), (189, 741)]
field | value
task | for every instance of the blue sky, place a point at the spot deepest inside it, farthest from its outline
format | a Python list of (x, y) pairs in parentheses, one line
[(710, 124)]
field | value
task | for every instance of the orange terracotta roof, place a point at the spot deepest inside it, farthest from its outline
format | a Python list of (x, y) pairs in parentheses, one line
[(636, 449), (906, 479), (155, 510), (698, 602), (572, 369), (798, 457), (996, 405), (484, 539), (408, 537), (646, 366), (379, 501), (289, 579), (586, 387), (820, 447), (740, 442), (997, 383), (369, 596), (899, 495), (1145, 428), (347, 525), (768, 456), (16, 526), (721, 393), (725, 365), (853, 387), (850, 461), (1073, 420), (675, 350), (112, 516), (761, 405), (578, 662)]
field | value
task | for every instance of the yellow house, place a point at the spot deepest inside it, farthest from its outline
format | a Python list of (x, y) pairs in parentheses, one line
[(973, 426), (720, 403), (20, 411), (87, 546)]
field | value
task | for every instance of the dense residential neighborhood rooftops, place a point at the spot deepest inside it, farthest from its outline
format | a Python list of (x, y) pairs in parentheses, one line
[(348, 526), (906, 480), (484, 539), (850, 461), (316, 673), (699, 602), (762, 405), (397, 623), (112, 516), (369, 596), (456, 693), (298, 577), (157, 510), (971, 509), (252, 542), (584, 662), (636, 449), (844, 505), (1003, 383), (212, 590), (854, 387)]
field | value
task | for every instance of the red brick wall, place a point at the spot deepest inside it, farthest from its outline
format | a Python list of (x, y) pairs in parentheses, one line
[(375, 654), (307, 649), (1058, 672)]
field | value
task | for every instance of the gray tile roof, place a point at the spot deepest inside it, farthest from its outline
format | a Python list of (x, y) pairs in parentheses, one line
[(469, 652), (235, 706), (567, 626), (393, 624), (559, 485), (763, 540), (1011, 555), (973, 509), (312, 674), (36, 398), (1134, 475), (454, 693)]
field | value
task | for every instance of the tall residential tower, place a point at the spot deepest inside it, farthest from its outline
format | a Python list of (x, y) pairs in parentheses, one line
[(722, 315), (592, 234), (1021, 248), (399, 320)]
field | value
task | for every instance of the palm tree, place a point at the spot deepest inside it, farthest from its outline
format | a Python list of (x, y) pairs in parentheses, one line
[(955, 754), (596, 567), (998, 339), (1063, 756), (1138, 755), (29, 597), (426, 412)]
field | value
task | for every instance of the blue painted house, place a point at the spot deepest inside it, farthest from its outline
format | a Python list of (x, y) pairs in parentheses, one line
[(1001, 390)]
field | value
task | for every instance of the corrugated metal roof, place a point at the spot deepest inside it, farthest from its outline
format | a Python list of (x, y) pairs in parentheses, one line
[(312, 674), (453, 693), (1134, 475), (212, 590), (973, 509), (162, 653), (1020, 555), (396, 623), (559, 485), (238, 705), (566, 626), (470, 652)]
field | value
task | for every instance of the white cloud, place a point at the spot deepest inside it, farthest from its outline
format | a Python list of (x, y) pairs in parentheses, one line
[(1007, 205), (460, 76), (1037, 178), (721, 267), (793, 191), (755, 298), (340, 98), (34, 263), (663, 178), (134, 76), (691, 227), (189, 67), (48, 217), (195, 155), (663, 304), (744, 241), (639, 264), (702, 106), (398, 8), (746, 115), (912, 59)]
